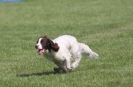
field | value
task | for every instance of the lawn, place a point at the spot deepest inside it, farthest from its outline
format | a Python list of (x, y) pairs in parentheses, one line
[(105, 25)]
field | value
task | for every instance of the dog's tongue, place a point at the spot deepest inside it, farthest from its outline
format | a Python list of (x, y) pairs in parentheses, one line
[(41, 51)]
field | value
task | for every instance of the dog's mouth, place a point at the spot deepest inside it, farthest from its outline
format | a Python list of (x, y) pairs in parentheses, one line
[(41, 51)]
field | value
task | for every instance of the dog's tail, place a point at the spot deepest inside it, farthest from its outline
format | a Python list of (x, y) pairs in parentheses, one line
[(86, 50)]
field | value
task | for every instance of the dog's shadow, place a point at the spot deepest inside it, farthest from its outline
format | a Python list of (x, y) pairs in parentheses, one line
[(36, 74)]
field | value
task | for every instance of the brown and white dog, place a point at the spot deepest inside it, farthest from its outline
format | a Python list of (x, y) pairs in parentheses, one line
[(65, 50)]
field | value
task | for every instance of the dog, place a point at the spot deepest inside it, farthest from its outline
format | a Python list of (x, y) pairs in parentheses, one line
[(65, 51)]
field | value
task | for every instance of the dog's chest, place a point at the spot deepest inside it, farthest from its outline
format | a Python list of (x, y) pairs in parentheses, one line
[(58, 56), (58, 60), (55, 57)]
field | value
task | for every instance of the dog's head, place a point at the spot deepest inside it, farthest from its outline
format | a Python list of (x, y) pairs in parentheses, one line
[(44, 43)]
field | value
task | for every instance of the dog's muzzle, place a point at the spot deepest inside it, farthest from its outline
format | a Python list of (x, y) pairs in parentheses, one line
[(40, 51)]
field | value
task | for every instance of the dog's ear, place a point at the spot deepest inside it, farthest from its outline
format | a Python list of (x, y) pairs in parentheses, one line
[(52, 45), (55, 47), (50, 42)]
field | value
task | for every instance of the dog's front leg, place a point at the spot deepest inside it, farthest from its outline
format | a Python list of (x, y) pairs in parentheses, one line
[(62, 66)]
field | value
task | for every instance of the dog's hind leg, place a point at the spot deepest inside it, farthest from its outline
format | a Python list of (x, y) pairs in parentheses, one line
[(76, 61), (68, 64)]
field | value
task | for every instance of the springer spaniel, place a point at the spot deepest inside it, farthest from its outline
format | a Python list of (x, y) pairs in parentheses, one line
[(65, 51)]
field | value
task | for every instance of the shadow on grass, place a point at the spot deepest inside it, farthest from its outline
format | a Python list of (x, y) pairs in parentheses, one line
[(36, 74)]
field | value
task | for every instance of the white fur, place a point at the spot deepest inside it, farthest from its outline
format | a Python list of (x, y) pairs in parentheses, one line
[(39, 44), (71, 51)]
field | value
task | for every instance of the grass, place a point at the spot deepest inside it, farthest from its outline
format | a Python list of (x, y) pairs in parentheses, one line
[(105, 25)]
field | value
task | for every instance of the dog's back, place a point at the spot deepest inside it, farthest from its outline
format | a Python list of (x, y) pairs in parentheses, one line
[(66, 41)]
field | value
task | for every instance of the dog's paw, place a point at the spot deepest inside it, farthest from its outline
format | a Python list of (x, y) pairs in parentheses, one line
[(56, 69)]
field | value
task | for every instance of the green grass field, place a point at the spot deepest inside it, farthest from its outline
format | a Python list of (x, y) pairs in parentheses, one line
[(105, 25)]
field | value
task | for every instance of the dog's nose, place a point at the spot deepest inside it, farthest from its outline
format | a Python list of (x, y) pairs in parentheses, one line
[(36, 46)]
